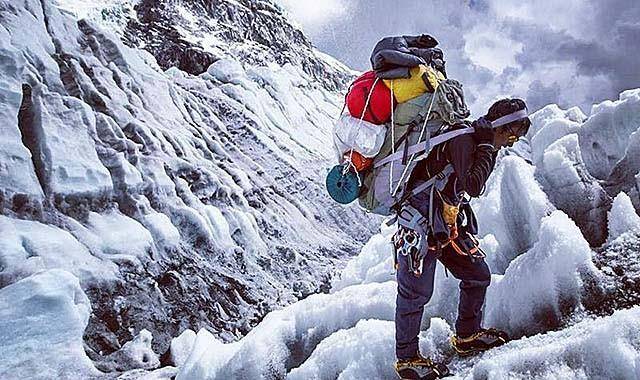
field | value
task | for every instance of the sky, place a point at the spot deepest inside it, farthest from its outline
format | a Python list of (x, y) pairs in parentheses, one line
[(569, 52)]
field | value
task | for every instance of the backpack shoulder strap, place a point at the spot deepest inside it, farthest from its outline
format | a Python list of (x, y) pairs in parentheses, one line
[(425, 145)]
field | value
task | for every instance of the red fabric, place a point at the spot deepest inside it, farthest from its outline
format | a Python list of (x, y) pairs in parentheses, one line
[(379, 109), (359, 161)]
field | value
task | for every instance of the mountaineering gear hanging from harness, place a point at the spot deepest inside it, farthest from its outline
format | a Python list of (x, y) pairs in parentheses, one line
[(411, 221)]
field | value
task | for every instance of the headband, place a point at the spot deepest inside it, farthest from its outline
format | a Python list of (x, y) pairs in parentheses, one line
[(510, 118)]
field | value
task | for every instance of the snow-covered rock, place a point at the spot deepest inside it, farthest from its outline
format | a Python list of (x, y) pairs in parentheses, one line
[(42, 320), (135, 354)]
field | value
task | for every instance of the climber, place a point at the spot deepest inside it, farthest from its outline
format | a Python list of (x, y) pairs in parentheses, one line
[(450, 239)]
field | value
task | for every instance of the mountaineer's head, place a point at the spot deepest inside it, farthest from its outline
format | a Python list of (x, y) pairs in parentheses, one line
[(513, 112)]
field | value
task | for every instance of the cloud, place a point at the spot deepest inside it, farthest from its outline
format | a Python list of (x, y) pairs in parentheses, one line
[(571, 52)]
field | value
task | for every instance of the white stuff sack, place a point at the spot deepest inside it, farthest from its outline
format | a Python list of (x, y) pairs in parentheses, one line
[(363, 137)]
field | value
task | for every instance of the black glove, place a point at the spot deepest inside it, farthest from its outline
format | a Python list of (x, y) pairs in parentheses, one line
[(484, 133)]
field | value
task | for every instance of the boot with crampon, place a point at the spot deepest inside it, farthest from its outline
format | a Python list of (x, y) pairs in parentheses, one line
[(483, 340), (421, 368)]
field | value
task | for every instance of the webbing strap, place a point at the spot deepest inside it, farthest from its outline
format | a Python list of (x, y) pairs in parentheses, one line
[(443, 175), (423, 146), (510, 118)]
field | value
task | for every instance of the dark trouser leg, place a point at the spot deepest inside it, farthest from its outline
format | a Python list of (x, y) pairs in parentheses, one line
[(413, 293), (474, 278)]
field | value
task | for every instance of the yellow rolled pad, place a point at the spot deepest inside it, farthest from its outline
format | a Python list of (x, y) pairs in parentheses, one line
[(423, 79)]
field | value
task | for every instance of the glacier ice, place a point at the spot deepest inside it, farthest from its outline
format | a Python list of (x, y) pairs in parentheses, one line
[(511, 210), (42, 319), (543, 287)]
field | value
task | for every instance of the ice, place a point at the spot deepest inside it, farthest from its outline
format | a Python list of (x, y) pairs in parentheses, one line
[(573, 189), (511, 210), (622, 217), (286, 337), (42, 319), (542, 287), (604, 137), (17, 173), (550, 133), (605, 348), (27, 247), (374, 263), (181, 347)]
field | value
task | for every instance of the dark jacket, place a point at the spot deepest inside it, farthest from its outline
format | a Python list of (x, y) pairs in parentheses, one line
[(393, 57), (472, 164)]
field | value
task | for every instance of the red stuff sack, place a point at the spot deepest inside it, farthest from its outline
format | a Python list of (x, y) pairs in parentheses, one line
[(380, 104)]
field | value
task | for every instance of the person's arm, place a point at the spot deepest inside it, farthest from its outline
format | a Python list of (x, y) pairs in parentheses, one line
[(472, 163)]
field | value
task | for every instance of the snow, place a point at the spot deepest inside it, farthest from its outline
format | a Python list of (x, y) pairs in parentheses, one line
[(622, 217), (364, 351), (27, 247), (42, 319), (373, 264), (605, 348)]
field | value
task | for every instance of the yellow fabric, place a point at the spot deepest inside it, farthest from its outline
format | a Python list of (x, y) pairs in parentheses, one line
[(405, 89)]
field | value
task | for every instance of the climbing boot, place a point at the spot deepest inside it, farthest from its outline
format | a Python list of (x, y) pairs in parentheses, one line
[(483, 340), (421, 368)]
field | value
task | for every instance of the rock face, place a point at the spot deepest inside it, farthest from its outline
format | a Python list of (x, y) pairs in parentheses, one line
[(190, 35), (197, 200)]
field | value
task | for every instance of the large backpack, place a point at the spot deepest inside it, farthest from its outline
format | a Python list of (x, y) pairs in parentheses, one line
[(417, 127)]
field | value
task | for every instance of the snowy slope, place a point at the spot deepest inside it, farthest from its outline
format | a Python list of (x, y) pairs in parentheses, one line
[(179, 201)]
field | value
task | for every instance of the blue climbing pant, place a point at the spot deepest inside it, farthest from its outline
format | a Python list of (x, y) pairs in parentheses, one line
[(414, 293)]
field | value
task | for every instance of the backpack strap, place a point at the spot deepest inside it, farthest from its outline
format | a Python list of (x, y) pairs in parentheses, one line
[(425, 145)]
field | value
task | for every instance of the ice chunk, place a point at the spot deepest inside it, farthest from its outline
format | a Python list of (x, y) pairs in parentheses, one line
[(542, 287), (550, 133), (119, 234), (511, 210), (227, 71), (622, 217), (27, 247), (181, 347), (164, 233), (572, 189), (366, 351), (17, 173), (604, 137), (42, 319)]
